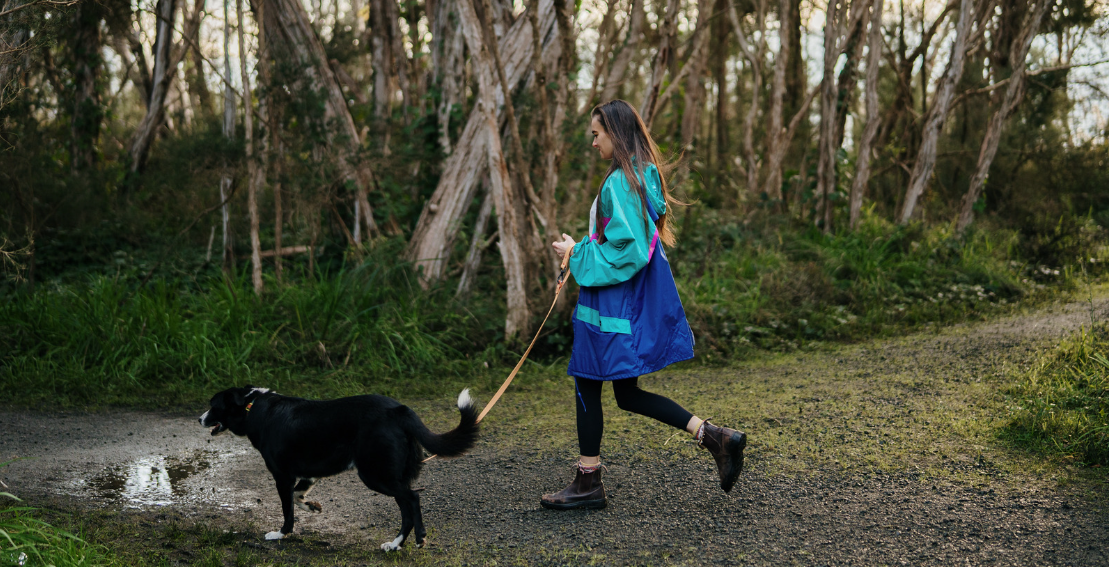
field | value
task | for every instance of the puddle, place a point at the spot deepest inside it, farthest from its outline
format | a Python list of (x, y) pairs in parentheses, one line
[(150, 481)]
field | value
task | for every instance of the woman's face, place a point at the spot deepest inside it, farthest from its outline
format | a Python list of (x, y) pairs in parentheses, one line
[(601, 141)]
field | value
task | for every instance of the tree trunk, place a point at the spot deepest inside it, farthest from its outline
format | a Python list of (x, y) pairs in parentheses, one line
[(255, 175), (835, 98), (623, 59), (448, 59), (389, 59), (87, 113), (666, 48), (554, 144), (754, 57), (289, 34), (439, 222), (1014, 91), (695, 87), (796, 84), (278, 213), (862, 161), (848, 75), (198, 87), (504, 198), (934, 119), (775, 145), (719, 58), (826, 165), (13, 47), (600, 55), (229, 133), (478, 244), (489, 43), (163, 73)]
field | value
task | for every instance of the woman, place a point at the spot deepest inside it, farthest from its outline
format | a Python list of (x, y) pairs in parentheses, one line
[(629, 320)]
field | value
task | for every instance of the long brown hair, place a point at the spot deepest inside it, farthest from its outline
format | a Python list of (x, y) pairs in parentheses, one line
[(630, 139)]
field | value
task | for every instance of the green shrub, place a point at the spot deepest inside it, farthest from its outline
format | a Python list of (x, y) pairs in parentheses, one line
[(782, 287), (1062, 407), (176, 342)]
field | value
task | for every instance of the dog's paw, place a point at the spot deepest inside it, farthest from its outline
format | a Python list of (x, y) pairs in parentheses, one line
[(394, 545), (420, 543), (274, 535), (309, 506)]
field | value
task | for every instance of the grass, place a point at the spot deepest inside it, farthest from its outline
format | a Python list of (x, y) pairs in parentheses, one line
[(923, 408), (99, 338), (784, 288), (171, 342), (1061, 408), (27, 540)]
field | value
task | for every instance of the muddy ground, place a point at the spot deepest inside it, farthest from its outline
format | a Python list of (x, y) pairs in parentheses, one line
[(882, 453)]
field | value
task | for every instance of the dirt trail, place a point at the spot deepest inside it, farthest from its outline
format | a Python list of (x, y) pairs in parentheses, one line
[(665, 506)]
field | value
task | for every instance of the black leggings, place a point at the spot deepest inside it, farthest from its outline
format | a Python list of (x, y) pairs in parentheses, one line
[(630, 398)]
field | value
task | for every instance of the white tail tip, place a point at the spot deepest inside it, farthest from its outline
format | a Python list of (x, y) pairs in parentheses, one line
[(464, 399)]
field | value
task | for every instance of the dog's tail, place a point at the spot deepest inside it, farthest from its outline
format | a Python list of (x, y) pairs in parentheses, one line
[(456, 441)]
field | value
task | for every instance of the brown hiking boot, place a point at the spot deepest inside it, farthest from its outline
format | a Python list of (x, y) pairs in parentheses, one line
[(726, 446), (586, 492)]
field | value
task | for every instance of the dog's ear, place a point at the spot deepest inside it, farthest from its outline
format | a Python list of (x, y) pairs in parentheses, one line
[(239, 395)]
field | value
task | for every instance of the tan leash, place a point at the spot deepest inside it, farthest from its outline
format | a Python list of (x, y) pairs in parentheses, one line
[(563, 272)]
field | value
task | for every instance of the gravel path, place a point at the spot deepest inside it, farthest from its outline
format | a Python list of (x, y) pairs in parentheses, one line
[(665, 506)]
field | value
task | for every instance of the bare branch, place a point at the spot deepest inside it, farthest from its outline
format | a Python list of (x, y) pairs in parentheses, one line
[(28, 5)]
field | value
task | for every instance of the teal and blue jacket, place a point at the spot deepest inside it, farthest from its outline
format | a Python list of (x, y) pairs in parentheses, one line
[(629, 320)]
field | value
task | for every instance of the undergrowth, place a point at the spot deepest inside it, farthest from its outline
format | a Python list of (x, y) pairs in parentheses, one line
[(114, 335), (27, 540), (784, 287), (1062, 407)]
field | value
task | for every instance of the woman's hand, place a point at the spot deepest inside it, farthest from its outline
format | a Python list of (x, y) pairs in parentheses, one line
[(563, 245)]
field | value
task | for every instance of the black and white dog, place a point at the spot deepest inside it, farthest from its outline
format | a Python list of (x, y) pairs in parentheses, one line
[(305, 440)]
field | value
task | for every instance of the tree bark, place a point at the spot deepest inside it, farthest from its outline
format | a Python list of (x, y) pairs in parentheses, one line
[(862, 161), (478, 244), (554, 143), (87, 112), (448, 59), (775, 144), (667, 45), (825, 169), (255, 175), (937, 114), (389, 59), (600, 55), (834, 97), (14, 43), (198, 87), (848, 75), (719, 58), (289, 34), (489, 42), (695, 87), (162, 75), (504, 198), (1014, 91), (439, 222), (615, 78), (229, 133), (754, 56)]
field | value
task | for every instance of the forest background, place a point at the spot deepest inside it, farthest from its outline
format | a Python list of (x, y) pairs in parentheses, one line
[(337, 197)]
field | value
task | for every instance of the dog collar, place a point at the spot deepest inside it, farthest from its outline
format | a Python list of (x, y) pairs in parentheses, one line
[(248, 406)]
